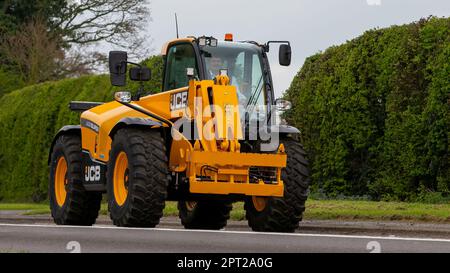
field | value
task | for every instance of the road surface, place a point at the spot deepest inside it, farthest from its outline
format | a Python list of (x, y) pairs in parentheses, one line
[(105, 238)]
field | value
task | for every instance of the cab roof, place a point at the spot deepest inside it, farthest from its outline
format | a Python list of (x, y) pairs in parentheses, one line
[(168, 44), (192, 39)]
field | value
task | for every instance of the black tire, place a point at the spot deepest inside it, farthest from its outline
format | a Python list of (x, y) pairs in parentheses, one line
[(212, 214), (284, 214), (148, 178), (80, 207)]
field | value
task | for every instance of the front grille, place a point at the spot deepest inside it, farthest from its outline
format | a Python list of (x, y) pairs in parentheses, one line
[(268, 175)]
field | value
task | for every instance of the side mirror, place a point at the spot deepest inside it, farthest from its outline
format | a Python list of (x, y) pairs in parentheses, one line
[(118, 67), (285, 55), (141, 74)]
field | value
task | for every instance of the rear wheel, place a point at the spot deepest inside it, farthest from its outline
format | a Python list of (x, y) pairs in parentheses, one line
[(283, 214), (70, 203), (212, 214), (137, 178)]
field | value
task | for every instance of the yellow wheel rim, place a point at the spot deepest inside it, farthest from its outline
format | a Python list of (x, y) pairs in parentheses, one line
[(190, 205), (61, 181), (121, 179), (259, 203)]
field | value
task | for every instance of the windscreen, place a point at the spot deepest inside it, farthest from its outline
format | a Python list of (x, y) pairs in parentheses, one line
[(243, 63)]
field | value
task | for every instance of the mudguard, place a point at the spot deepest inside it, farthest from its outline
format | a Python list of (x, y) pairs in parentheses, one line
[(68, 129), (134, 122)]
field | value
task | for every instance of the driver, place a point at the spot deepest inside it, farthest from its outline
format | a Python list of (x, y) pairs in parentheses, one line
[(214, 67), (215, 64)]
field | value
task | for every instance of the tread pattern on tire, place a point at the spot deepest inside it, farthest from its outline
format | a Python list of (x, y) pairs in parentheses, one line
[(81, 207), (284, 214), (147, 192), (212, 214)]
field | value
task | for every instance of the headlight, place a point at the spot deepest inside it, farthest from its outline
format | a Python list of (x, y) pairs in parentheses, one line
[(123, 97), (283, 105)]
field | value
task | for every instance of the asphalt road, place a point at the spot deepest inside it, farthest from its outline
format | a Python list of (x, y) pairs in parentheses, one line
[(56, 239)]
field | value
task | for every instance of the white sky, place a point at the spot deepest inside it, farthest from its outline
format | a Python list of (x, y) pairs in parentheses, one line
[(310, 25)]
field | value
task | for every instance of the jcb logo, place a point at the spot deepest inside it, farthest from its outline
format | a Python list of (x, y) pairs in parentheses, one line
[(178, 101), (92, 174)]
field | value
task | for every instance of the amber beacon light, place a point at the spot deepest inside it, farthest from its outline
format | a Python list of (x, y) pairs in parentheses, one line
[(229, 37)]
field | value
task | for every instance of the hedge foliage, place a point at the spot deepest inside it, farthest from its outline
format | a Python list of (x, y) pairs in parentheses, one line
[(9, 81), (30, 117), (375, 112)]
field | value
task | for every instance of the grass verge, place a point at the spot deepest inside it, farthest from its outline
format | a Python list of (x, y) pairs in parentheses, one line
[(315, 210)]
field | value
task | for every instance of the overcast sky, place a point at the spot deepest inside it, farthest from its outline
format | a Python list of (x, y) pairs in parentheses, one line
[(310, 25)]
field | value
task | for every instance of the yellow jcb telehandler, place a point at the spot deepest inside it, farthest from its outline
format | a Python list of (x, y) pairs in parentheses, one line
[(212, 137)]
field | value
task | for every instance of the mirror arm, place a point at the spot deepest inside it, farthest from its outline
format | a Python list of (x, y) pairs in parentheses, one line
[(266, 47), (138, 95), (138, 65)]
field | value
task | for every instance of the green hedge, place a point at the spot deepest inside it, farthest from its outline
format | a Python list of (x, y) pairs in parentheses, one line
[(30, 117), (374, 112), (10, 81)]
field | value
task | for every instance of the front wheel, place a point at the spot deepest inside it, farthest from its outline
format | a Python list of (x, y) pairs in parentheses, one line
[(212, 214), (137, 178), (70, 203), (283, 214)]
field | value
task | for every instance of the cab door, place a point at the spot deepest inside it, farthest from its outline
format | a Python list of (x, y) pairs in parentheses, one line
[(179, 58)]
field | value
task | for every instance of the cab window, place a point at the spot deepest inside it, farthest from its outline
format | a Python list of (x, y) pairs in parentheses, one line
[(179, 58)]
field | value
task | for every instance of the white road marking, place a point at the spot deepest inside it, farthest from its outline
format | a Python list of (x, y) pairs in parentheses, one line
[(238, 232)]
